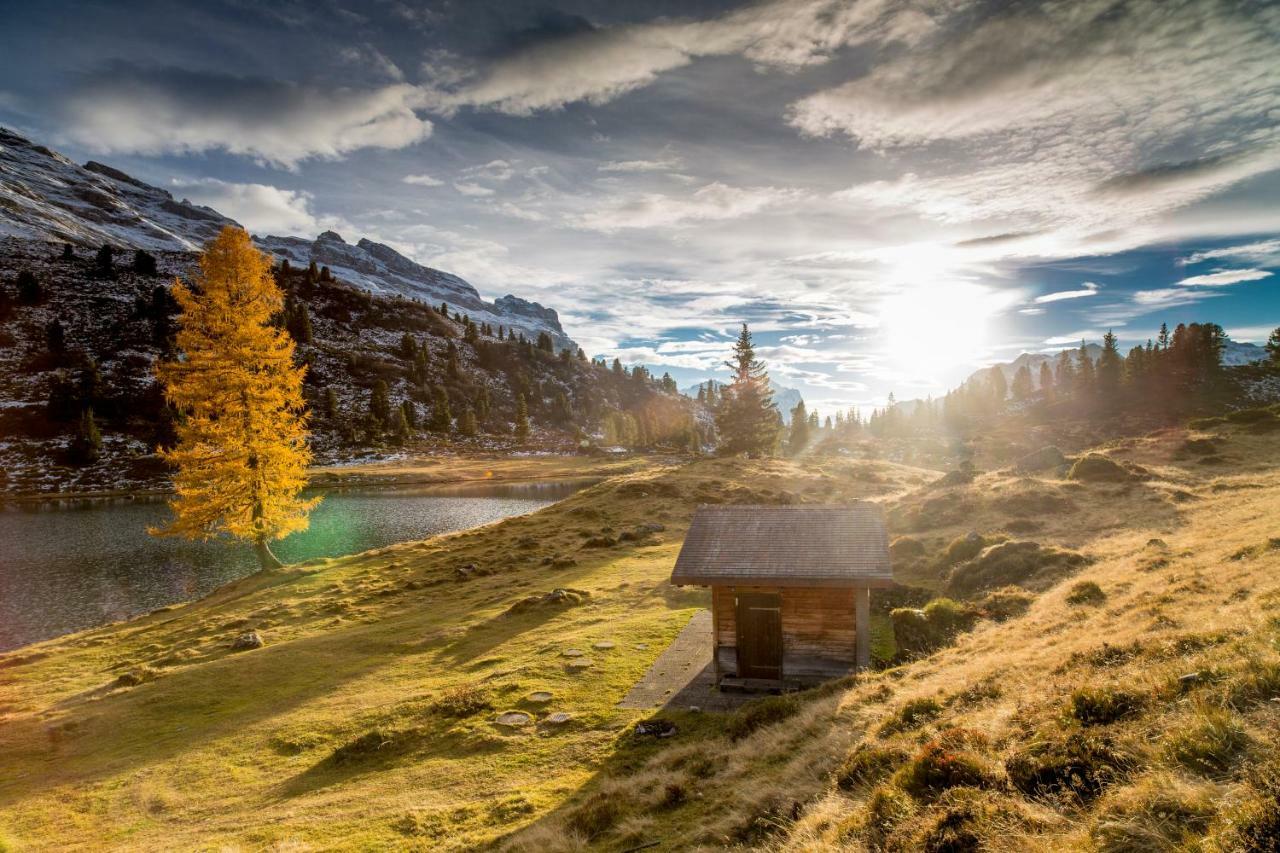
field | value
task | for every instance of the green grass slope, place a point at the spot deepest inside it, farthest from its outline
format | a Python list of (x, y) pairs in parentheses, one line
[(366, 720)]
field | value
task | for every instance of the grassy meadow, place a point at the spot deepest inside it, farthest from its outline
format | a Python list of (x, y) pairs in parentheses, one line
[(1112, 686)]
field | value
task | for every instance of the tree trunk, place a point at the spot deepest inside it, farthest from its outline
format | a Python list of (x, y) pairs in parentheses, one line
[(266, 560)]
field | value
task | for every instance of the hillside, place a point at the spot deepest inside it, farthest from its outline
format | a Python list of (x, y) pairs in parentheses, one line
[(1062, 715), (111, 327)]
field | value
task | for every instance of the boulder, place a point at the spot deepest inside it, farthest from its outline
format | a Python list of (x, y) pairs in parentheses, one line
[(246, 641)]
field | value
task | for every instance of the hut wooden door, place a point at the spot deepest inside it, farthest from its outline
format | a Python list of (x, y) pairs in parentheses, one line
[(759, 622)]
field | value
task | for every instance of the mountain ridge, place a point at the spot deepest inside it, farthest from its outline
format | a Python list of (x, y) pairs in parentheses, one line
[(46, 196)]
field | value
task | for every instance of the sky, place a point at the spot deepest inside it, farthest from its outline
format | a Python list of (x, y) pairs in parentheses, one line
[(892, 193)]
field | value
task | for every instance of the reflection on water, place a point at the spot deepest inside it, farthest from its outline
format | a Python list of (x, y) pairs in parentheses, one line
[(67, 567)]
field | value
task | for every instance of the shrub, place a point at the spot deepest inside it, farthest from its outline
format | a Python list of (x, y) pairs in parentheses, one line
[(598, 814), (921, 632), (1157, 814), (1005, 603), (760, 713), (963, 548), (1254, 826), (1100, 706), (945, 763), (868, 764), (912, 714), (1082, 763), (369, 744), (1211, 744), (1086, 592), (1094, 468), (961, 820), (462, 701), (1022, 563)]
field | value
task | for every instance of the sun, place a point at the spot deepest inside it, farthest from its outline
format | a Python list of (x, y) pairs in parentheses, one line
[(928, 328)]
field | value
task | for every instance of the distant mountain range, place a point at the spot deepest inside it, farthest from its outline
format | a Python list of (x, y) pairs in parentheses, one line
[(45, 196), (784, 398)]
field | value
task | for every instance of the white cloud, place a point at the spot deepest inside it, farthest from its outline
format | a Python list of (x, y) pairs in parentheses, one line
[(422, 181), (469, 188), (1089, 288), (260, 208), (715, 201), (1261, 252), (168, 111), (1171, 297), (494, 170), (599, 64), (1224, 277), (661, 164)]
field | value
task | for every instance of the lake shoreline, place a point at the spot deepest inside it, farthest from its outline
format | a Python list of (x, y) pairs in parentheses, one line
[(366, 475)]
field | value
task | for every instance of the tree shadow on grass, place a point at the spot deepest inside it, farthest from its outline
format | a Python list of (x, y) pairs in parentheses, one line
[(125, 729)]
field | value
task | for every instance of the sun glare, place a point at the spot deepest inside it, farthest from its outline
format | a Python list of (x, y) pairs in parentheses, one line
[(927, 328)]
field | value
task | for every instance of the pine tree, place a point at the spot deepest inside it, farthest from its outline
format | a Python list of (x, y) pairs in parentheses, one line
[(380, 402), (1065, 375), (399, 427), (86, 445), (482, 405), (144, 263), (331, 404), (29, 290), (998, 386), (799, 437), (747, 419), (1109, 371), (467, 425), (1085, 383), (299, 324), (410, 413), (452, 367), (408, 347), (55, 337), (522, 418), (1273, 348), (104, 262), (241, 454), (325, 275), (441, 416), (68, 254), (1022, 383), (1162, 339), (1046, 380)]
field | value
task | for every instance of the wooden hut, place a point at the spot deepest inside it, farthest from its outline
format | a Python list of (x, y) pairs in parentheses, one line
[(790, 589)]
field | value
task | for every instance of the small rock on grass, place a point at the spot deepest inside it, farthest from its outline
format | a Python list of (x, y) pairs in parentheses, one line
[(246, 641), (559, 718), (540, 696), (579, 663), (573, 653), (513, 719), (603, 645)]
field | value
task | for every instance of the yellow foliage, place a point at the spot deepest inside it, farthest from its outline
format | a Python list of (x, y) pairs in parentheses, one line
[(242, 454)]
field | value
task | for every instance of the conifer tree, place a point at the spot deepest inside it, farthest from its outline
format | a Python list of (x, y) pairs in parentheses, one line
[(399, 427), (522, 418), (325, 275), (1273, 348), (68, 253), (1065, 374), (380, 402), (1085, 381), (799, 436), (55, 337), (1022, 383), (482, 405), (144, 263), (410, 413), (299, 324), (29, 290), (452, 368), (1046, 380), (441, 416), (1109, 371), (467, 425), (408, 347), (104, 262), (241, 454), (331, 404), (998, 386), (86, 445), (747, 419)]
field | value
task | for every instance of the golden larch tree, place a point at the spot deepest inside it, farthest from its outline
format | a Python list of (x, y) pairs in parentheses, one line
[(241, 454)]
